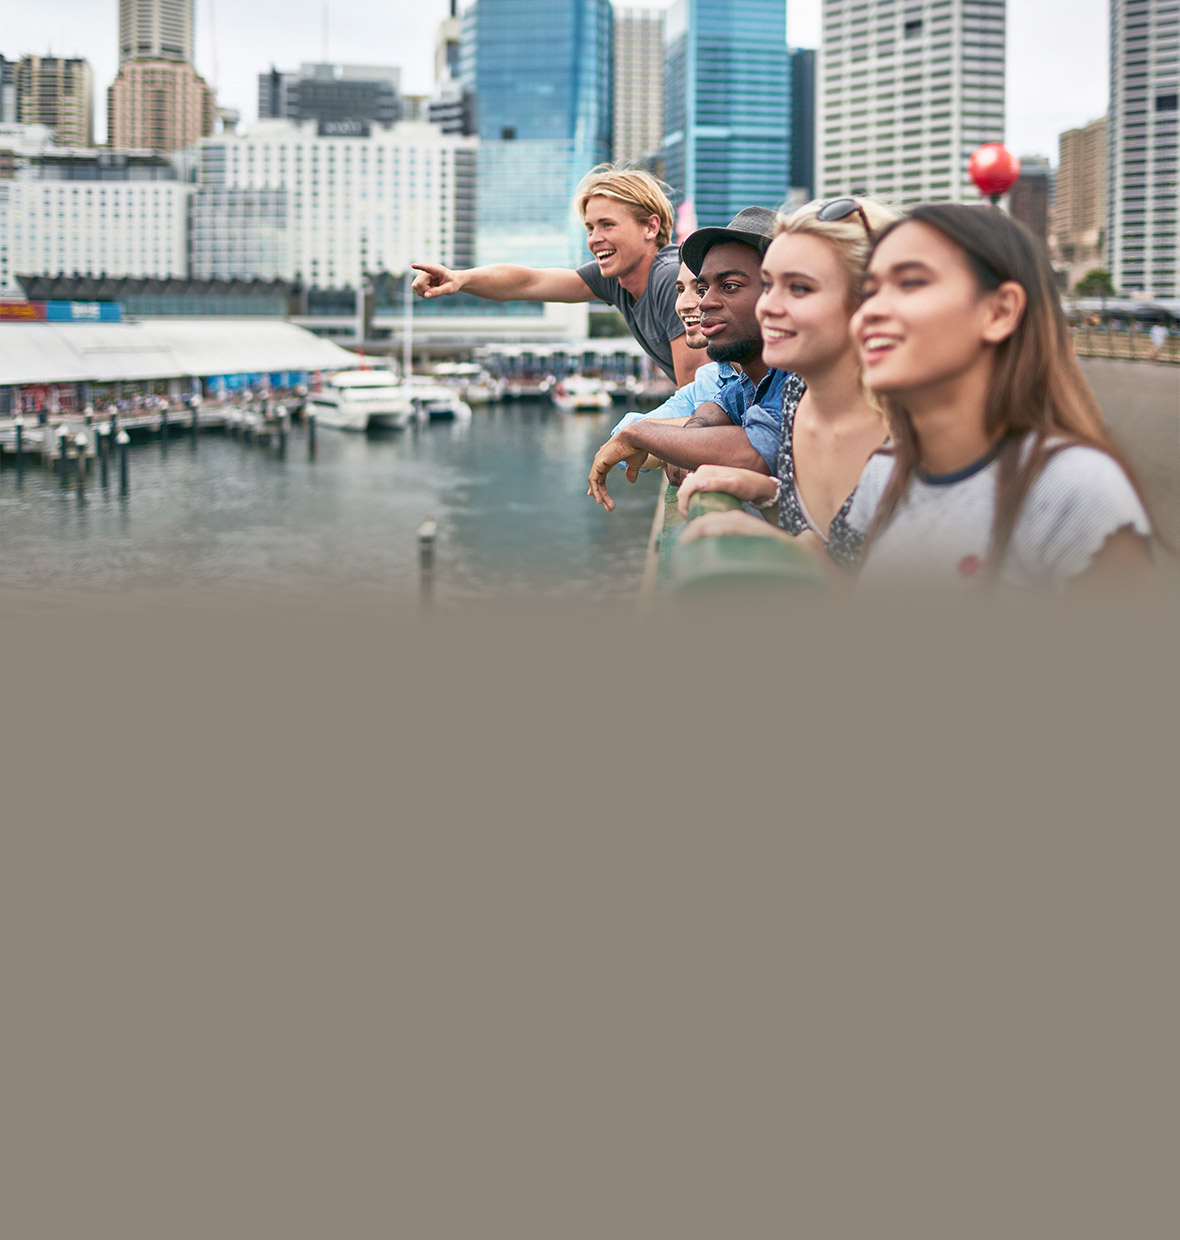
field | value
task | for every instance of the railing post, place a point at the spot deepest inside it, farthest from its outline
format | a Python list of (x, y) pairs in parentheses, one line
[(124, 441), (80, 445), (427, 532)]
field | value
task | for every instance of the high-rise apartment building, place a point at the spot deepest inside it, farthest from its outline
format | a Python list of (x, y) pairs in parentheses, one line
[(1079, 206), (1030, 198), (1144, 186), (158, 101), (156, 30), (727, 106), (803, 121), (906, 91), (158, 105), (639, 85), (7, 90), (541, 77), (58, 93), (452, 106)]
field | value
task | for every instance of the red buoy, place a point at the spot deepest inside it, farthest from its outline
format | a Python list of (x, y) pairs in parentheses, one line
[(994, 169)]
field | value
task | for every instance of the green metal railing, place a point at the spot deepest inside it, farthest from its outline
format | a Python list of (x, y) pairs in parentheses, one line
[(714, 568)]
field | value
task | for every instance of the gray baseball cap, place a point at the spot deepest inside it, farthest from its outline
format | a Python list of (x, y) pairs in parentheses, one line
[(754, 226)]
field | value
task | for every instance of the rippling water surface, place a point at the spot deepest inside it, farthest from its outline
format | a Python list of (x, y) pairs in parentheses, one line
[(507, 489)]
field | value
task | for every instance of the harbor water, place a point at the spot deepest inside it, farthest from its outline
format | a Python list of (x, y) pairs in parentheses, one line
[(507, 488)]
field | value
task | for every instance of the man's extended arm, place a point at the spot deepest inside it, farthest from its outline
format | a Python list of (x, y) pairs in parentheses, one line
[(686, 446), (502, 282), (691, 446)]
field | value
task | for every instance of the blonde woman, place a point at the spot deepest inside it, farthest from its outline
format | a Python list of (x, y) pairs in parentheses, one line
[(811, 277)]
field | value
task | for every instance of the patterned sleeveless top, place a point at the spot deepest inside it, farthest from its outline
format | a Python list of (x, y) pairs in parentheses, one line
[(843, 542)]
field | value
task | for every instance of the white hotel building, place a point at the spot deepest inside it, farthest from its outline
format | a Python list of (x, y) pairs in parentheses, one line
[(74, 212), (1144, 132), (285, 200), (906, 90)]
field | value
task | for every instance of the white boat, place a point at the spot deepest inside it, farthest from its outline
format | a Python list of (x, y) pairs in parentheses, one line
[(433, 400), (355, 400), (529, 389), (472, 382), (576, 393), (622, 389)]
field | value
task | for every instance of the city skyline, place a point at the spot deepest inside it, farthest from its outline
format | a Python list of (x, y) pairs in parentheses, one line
[(1047, 92)]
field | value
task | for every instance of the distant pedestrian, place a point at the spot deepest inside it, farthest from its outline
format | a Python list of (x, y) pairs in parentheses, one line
[(1159, 338)]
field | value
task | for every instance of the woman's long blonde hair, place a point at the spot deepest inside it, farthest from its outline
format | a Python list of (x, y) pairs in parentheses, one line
[(852, 245), (847, 237)]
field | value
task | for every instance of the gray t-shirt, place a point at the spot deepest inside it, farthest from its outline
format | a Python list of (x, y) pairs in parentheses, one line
[(941, 529), (652, 319)]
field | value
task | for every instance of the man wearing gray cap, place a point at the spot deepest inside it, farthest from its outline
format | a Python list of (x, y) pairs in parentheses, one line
[(742, 425)]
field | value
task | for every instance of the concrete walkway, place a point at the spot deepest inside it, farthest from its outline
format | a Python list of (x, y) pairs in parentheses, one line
[(1141, 404)]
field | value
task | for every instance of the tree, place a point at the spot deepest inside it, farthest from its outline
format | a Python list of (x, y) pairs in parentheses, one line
[(1095, 283)]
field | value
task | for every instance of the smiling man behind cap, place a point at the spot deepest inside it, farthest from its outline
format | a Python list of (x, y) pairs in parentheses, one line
[(741, 425)]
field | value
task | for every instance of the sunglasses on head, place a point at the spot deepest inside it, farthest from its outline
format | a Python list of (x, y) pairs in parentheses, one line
[(842, 208)]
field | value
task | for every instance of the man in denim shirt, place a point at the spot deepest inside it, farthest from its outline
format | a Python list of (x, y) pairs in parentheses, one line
[(741, 424), (685, 401)]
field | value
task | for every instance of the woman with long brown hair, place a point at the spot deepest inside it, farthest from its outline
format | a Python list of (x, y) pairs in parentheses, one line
[(999, 466)]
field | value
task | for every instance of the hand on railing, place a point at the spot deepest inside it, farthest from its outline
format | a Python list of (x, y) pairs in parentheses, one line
[(745, 485), (720, 524)]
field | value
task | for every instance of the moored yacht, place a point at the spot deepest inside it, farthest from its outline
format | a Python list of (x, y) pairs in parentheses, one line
[(355, 400), (432, 400), (577, 393)]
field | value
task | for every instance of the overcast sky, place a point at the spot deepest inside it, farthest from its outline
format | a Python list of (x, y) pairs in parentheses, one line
[(1056, 79)]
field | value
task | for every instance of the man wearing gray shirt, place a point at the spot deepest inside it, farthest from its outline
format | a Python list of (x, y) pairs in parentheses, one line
[(628, 228)]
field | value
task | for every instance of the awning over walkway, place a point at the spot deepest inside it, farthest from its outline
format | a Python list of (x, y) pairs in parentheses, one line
[(163, 349)]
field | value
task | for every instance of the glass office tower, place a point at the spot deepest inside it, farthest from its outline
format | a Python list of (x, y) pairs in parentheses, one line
[(727, 106), (541, 71)]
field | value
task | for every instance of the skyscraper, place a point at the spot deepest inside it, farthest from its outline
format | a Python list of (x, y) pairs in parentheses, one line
[(803, 120), (7, 90), (906, 93), (1079, 207), (58, 93), (156, 30), (1029, 198), (639, 85), (158, 101), (727, 109), (158, 105), (541, 76), (1144, 217)]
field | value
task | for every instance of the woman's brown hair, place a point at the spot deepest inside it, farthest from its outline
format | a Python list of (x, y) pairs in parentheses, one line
[(1037, 388)]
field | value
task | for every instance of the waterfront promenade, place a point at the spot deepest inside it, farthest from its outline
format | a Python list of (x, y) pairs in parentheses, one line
[(1141, 404)]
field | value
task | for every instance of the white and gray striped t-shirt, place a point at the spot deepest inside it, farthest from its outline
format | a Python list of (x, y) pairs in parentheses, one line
[(942, 526)]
